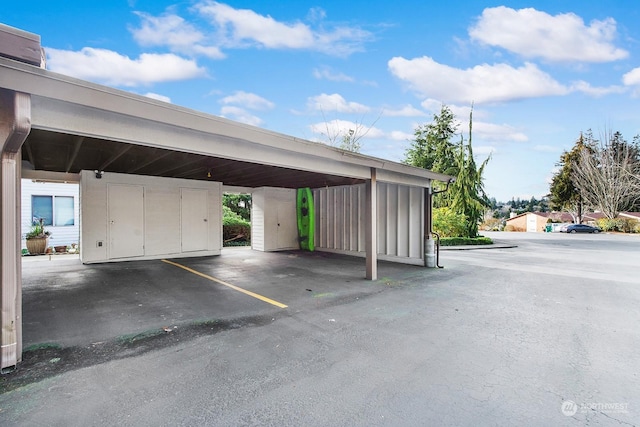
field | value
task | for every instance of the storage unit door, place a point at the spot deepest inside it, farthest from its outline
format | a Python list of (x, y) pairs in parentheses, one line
[(126, 221), (194, 219)]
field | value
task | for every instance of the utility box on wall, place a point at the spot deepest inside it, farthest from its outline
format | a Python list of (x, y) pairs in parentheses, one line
[(273, 219), (125, 217)]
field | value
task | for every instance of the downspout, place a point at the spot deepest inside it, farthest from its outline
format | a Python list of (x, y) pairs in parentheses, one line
[(430, 245)]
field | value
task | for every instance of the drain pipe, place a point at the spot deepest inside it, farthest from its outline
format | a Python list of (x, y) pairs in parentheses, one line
[(432, 248)]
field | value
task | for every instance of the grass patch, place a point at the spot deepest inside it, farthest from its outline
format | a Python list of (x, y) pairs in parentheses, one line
[(131, 338), (322, 295), (42, 346), (460, 241)]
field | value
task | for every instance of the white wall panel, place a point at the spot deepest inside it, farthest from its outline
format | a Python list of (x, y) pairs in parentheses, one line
[(274, 223), (161, 216), (340, 221), (162, 219), (257, 219)]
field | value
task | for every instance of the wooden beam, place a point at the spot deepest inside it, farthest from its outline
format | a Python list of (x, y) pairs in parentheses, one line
[(116, 156), (76, 149), (149, 162)]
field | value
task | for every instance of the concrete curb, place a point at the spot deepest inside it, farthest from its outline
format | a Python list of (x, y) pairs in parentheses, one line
[(495, 245)]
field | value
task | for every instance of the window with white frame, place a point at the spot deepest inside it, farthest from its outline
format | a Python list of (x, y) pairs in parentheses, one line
[(54, 210)]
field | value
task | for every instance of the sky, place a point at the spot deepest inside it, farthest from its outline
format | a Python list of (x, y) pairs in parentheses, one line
[(537, 73)]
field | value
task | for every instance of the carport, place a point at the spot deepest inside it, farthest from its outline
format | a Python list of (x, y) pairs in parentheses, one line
[(57, 128)]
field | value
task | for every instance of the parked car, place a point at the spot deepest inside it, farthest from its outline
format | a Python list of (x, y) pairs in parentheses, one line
[(562, 227), (582, 228)]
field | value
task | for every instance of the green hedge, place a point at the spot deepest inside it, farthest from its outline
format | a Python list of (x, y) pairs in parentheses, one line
[(234, 226), (448, 223), (460, 241), (624, 225)]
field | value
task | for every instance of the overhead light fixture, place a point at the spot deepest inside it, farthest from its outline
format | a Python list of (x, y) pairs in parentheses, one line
[(209, 173)]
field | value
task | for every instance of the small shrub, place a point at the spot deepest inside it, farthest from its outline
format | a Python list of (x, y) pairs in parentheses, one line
[(234, 228), (608, 224), (458, 241), (492, 224), (509, 227), (447, 223), (628, 225)]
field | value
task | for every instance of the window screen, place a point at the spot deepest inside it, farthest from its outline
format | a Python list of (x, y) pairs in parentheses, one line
[(63, 211)]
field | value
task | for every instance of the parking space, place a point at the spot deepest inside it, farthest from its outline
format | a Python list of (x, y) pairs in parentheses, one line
[(543, 332), (69, 304)]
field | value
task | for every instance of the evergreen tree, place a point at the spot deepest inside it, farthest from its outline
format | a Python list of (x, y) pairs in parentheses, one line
[(564, 195), (468, 195), (432, 147)]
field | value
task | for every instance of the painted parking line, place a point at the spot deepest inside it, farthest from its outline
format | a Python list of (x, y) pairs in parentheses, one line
[(213, 279)]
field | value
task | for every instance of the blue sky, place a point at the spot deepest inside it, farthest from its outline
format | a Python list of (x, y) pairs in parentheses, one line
[(538, 72)]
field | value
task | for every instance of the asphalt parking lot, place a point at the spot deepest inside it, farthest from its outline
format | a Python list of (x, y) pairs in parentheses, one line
[(541, 334), (67, 303)]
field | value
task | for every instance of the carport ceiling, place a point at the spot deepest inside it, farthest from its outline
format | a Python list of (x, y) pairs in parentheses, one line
[(58, 152)]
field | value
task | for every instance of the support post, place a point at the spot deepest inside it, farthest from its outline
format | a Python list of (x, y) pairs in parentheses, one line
[(371, 227), (15, 124)]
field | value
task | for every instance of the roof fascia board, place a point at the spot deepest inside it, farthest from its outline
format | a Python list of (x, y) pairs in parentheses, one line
[(47, 84), (64, 117)]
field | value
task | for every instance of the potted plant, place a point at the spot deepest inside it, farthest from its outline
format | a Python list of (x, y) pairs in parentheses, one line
[(37, 238)]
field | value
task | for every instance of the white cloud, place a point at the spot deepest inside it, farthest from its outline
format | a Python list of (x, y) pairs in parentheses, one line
[(111, 68), (158, 97), (173, 31), (332, 130), (240, 115), (398, 135), (480, 84), (559, 38), (248, 100), (316, 14), (632, 78), (335, 102), (483, 150), (585, 87), (327, 74), (406, 111), (494, 132), (244, 27), (432, 105)]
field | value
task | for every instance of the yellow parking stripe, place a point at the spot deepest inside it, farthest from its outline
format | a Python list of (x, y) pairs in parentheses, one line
[(213, 279)]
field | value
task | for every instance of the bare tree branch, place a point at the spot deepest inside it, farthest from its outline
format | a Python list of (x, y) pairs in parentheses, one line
[(606, 175)]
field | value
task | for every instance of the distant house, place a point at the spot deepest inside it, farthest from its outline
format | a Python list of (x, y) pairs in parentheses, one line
[(631, 215), (57, 204), (536, 221)]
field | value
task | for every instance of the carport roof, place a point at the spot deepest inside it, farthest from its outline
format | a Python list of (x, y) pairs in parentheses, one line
[(77, 125)]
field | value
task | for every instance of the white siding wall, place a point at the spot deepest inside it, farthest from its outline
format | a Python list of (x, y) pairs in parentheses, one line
[(340, 221), (162, 218), (257, 219), (60, 236), (274, 223)]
